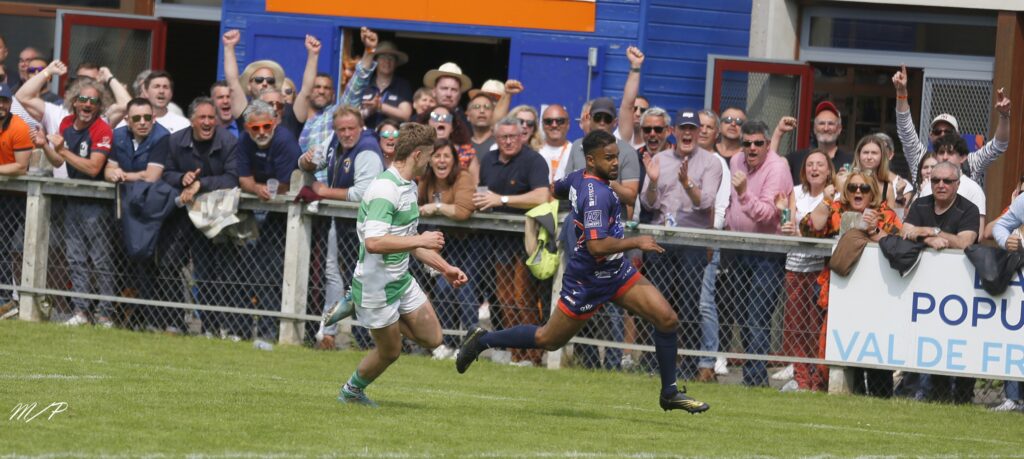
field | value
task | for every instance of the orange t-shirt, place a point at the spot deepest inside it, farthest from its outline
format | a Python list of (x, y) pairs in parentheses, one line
[(15, 138)]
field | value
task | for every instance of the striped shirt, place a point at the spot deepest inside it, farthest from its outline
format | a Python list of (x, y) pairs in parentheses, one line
[(388, 208)]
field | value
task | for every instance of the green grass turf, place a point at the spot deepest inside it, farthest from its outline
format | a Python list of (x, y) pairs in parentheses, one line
[(133, 394)]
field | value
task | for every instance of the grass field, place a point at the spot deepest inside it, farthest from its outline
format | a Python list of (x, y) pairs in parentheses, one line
[(132, 394)]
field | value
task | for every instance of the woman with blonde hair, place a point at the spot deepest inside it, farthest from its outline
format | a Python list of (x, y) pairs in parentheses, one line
[(871, 155), (861, 195), (528, 117)]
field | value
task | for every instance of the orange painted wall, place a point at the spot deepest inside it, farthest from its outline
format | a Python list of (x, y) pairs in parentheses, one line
[(568, 15)]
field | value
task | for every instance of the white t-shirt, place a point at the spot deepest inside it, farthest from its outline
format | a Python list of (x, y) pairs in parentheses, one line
[(969, 189), (799, 262), (557, 158)]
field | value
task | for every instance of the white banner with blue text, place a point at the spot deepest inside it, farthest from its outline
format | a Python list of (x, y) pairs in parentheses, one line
[(937, 319)]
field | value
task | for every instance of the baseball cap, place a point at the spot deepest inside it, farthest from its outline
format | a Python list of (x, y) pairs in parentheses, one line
[(603, 105), (687, 117), (826, 105), (5, 90), (946, 117)]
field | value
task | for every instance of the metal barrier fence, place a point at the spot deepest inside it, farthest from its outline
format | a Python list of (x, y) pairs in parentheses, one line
[(732, 292)]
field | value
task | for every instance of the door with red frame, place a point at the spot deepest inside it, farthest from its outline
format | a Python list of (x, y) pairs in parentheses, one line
[(767, 90), (126, 44)]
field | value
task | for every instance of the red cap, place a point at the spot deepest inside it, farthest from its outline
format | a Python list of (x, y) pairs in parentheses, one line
[(827, 106)]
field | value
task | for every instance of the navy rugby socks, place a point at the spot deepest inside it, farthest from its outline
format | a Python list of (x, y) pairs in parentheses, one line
[(665, 352), (518, 337)]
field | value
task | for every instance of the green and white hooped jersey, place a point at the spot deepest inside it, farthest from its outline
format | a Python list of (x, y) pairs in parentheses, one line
[(388, 208)]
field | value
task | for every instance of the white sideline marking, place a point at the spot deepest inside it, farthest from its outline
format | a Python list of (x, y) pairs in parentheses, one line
[(50, 376)]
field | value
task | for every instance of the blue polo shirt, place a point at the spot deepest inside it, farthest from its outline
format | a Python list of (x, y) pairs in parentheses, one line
[(523, 173), (277, 161)]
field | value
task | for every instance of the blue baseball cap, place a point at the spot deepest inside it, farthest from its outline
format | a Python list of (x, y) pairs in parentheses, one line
[(5, 91), (688, 117)]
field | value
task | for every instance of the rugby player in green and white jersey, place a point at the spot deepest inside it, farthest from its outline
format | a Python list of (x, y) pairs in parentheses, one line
[(387, 299)]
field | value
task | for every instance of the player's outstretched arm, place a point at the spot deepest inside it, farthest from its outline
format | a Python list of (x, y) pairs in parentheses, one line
[(382, 245), (432, 258), (610, 245)]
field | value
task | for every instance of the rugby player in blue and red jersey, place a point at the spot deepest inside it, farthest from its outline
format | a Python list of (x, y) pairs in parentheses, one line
[(597, 273)]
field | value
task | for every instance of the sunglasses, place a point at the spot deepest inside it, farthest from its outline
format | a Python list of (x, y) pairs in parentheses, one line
[(732, 120), (480, 106), (278, 105), (91, 100), (389, 134), (528, 123), (942, 132), (947, 181), (655, 129), (34, 70), (260, 127), (439, 118), (756, 143), (602, 118), (855, 187), (260, 80), (639, 109), (288, 91), (555, 121), (137, 118)]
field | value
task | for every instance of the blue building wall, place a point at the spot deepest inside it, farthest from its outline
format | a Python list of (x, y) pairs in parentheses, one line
[(675, 35)]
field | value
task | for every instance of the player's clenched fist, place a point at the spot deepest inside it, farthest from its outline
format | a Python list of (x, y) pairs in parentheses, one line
[(432, 240)]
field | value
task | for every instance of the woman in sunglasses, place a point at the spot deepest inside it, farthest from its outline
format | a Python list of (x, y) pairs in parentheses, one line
[(803, 318), (527, 117), (451, 127), (446, 190), (860, 194), (387, 134)]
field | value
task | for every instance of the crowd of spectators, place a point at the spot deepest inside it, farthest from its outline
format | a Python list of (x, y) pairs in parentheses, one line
[(688, 168)]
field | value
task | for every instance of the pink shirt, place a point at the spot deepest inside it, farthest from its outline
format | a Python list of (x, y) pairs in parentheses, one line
[(754, 211)]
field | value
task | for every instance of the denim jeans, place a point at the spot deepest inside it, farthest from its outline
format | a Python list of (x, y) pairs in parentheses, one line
[(606, 325), (89, 252), (758, 280), (215, 272), (334, 286), (1012, 390), (457, 309), (265, 274), (709, 311)]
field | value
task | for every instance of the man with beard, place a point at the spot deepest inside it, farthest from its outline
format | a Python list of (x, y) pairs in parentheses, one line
[(83, 143), (480, 112), (264, 153), (758, 176), (201, 158), (828, 125), (15, 150), (321, 97), (220, 92), (730, 132)]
